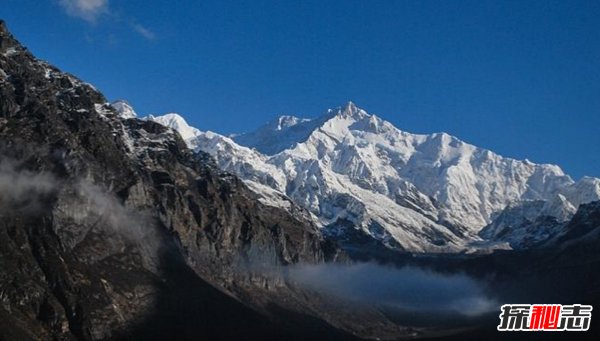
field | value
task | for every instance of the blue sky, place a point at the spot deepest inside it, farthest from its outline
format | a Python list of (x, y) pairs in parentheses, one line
[(519, 77)]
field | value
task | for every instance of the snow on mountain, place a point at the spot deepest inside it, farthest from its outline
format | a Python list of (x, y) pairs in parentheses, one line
[(524, 224), (247, 163), (423, 193), (124, 109), (278, 134), (175, 121)]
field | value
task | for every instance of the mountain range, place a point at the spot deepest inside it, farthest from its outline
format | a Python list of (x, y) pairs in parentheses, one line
[(416, 193)]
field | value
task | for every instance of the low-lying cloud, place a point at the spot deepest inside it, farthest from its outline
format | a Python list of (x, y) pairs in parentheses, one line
[(78, 208), (21, 188), (103, 213), (407, 289)]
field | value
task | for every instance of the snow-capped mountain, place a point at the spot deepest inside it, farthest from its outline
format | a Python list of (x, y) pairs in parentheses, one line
[(177, 122), (171, 120), (124, 109), (422, 193)]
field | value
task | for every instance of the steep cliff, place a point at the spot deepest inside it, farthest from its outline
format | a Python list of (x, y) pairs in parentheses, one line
[(110, 225)]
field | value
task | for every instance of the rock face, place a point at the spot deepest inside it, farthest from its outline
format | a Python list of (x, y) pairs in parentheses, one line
[(417, 193), (108, 222), (584, 227)]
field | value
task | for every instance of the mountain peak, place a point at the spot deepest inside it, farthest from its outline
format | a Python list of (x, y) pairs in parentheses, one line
[(286, 131), (177, 122), (350, 107), (350, 110), (124, 109)]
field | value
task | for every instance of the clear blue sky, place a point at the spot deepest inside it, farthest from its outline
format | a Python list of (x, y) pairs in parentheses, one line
[(519, 77)]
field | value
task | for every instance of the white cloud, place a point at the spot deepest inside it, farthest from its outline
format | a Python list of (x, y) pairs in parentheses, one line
[(87, 10), (90, 10), (143, 31), (21, 189)]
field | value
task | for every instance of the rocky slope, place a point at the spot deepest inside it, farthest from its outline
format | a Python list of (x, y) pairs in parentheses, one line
[(418, 193), (111, 227)]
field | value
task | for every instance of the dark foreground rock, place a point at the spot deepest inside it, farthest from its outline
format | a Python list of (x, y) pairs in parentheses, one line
[(112, 228)]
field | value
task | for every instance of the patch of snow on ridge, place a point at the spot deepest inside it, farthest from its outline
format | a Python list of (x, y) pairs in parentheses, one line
[(175, 121), (123, 109)]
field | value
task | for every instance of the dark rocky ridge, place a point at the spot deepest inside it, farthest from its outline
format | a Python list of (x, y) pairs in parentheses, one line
[(112, 228)]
